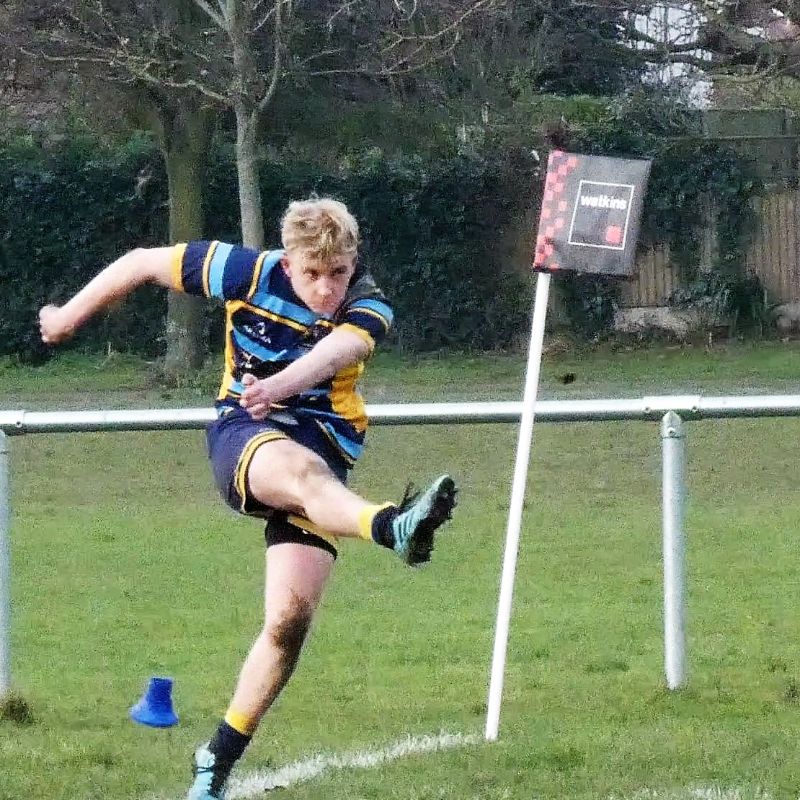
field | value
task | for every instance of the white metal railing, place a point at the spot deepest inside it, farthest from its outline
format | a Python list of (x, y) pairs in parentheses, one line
[(643, 408), (671, 410)]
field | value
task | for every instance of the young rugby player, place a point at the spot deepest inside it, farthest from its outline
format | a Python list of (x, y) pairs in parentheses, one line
[(301, 321)]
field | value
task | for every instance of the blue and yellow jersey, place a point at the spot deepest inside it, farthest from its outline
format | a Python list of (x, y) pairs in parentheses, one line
[(267, 326)]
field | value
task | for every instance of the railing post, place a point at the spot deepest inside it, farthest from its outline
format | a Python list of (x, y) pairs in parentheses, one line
[(673, 493), (5, 570)]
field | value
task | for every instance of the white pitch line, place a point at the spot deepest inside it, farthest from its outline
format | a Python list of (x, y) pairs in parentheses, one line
[(307, 769)]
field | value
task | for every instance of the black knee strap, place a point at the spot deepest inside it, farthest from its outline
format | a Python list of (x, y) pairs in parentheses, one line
[(279, 530)]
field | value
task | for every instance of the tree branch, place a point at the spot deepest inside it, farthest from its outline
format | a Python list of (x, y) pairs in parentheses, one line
[(404, 65), (332, 51), (400, 6), (190, 83), (136, 72), (265, 19), (277, 64), (343, 9), (661, 57), (107, 61), (398, 68), (454, 25), (219, 19), (271, 13)]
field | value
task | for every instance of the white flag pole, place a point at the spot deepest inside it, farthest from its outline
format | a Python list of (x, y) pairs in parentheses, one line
[(517, 500)]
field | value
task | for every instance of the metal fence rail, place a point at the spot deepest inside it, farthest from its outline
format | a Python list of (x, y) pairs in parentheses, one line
[(644, 408), (670, 410)]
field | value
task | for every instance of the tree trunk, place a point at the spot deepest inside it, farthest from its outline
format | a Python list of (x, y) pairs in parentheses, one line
[(185, 143), (244, 91), (247, 158)]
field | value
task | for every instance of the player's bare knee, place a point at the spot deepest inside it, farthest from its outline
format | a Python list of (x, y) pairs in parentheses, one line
[(290, 632)]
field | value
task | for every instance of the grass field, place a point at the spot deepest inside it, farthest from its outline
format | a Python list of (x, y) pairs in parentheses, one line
[(126, 565)]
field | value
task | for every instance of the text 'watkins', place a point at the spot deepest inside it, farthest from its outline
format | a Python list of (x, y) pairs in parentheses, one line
[(604, 201)]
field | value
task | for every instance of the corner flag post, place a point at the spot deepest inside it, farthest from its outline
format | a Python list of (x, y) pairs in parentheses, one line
[(524, 442), (5, 572), (589, 223)]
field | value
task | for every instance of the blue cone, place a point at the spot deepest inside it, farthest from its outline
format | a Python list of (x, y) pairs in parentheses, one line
[(155, 707)]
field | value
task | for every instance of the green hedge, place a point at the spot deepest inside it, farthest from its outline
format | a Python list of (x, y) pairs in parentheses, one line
[(436, 231), (65, 212), (431, 233)]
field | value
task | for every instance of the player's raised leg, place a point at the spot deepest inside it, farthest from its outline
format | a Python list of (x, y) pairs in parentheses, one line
[(284, 474)]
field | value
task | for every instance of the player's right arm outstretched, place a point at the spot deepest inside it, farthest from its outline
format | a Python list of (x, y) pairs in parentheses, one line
[(116, 281)]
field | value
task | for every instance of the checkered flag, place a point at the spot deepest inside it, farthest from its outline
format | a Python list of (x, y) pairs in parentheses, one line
[(590, 214)]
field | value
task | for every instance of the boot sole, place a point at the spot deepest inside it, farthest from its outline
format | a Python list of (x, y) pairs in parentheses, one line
[(421, 545)]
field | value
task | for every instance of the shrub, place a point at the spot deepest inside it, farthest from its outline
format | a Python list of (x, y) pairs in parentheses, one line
[(65, 212), (432, 233)]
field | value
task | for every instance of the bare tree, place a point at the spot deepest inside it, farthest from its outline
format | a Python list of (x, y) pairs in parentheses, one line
[(144, 55), (282, 45), (236, 55), (177, 59)]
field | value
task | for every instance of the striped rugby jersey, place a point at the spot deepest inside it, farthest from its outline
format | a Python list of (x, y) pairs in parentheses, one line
[(268, 326)]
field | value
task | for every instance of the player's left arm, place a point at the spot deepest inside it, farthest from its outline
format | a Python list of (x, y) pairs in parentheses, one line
[(341, 348)]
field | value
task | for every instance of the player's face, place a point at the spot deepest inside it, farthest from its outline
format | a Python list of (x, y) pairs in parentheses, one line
[(320, 284)]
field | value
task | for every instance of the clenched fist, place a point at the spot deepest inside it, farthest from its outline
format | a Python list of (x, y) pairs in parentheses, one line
[(256, 397), (53, 327)]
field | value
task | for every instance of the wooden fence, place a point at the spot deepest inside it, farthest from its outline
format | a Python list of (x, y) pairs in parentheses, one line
[(774, 256)]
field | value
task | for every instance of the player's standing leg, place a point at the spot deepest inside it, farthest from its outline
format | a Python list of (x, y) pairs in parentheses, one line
[(296, 575)]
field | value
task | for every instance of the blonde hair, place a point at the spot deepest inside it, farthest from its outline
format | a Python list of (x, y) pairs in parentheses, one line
[(320, 226)]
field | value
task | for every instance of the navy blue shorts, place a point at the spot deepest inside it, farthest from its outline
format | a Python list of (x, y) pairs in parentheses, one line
[(233, 440)]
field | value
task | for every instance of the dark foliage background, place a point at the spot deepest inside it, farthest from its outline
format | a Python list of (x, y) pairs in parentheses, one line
[(441, 232)]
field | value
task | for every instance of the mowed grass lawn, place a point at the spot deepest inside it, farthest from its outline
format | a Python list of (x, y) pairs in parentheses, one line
[(126, 565)]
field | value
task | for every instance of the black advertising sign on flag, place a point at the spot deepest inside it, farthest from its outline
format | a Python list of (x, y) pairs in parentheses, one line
[(590, 214)]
